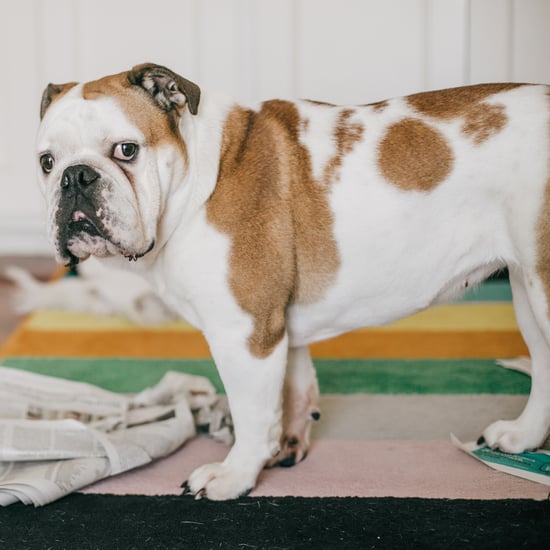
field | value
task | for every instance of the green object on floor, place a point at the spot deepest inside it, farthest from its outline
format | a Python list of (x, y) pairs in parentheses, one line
[(344, 376)]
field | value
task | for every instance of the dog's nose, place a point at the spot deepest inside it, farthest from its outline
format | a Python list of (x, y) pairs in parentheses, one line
[(79, 175)]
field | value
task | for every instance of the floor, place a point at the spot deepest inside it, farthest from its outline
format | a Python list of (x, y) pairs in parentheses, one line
[(39, 266)]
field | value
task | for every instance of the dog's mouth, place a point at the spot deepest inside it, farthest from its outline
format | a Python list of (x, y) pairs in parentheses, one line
[(83, 236), (81, 223)]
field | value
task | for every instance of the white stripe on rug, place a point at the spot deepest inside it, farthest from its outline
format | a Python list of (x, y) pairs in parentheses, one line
[(412, 417)]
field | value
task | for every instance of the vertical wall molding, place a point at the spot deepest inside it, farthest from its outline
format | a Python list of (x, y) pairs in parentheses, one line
[(467, 60), (245, 51), (426, 42), (510, 39), (294, 15), (447, 51), (531, 40)]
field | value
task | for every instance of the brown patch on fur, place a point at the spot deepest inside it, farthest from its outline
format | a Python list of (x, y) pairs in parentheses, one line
[(346, 135), (481, 120), (379, 106), (455, 102), (321, 103), (484, 120), (157, 126), (543, 237), (414, 156), (277, 217), (543, 247)]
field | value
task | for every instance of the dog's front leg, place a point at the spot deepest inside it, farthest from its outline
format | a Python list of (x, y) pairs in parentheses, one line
[(254, 391)]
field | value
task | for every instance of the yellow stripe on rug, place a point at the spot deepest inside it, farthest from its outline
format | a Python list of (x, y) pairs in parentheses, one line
[(463, 316), (467, 329)]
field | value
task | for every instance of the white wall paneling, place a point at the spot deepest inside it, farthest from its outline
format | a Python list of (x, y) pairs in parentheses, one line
[(57, 46), (21, 209), (446, 56), (531, 40), (359, 50), (351, 51), (491, 41), (275, 70)]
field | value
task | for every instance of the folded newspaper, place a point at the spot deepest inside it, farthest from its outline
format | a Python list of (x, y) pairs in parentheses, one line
[(532, 465), (57, 436)]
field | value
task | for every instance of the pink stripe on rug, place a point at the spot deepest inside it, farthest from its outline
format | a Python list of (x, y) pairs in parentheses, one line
[(425, 469)]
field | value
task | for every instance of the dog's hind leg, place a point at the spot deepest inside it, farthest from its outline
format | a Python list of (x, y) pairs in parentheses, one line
[(529, 430), (300, 407)]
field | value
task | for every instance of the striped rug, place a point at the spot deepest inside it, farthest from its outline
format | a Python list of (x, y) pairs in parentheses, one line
[(381, 455)]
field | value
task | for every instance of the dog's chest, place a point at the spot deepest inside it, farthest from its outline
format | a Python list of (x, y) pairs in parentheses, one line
[(192, 274)]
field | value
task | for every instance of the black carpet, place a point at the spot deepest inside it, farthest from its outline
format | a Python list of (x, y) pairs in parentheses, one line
[(126, 522)]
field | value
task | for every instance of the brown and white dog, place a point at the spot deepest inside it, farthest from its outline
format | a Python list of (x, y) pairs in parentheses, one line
[(273, 227)]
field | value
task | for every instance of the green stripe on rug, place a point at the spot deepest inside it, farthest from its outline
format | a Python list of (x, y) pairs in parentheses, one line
[(444, 376), (344, 376), (490, 291)]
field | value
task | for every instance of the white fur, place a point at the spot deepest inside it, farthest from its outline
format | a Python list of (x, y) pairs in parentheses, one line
[(399, 251)]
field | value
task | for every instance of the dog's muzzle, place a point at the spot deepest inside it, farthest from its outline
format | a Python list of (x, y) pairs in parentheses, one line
[(81, 218), (75, 183), (78, 205)]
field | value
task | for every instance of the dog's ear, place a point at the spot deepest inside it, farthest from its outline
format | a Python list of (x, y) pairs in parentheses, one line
[(51, 93), (169, 90)]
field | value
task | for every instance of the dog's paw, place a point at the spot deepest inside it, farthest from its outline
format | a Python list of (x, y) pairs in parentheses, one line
[(219, 481), (512, 436), (295, 441), (293, 450)]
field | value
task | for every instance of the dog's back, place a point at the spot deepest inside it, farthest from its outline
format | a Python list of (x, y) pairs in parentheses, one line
[(429, 194)]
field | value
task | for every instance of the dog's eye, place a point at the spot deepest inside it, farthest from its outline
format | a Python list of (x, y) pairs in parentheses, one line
[(125, 151), (47, 162)]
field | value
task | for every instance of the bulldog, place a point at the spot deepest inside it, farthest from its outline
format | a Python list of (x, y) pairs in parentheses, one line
[(276, 226)]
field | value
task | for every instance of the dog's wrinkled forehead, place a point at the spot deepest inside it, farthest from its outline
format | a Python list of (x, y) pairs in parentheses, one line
[(109, 108), (149, 99), (136, 103), (74, 122)]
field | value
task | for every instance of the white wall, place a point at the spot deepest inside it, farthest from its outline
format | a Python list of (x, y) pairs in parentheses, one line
[(349, 51)]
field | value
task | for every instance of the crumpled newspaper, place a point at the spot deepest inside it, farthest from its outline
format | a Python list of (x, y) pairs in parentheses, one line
[(57, 436), (210, 410)]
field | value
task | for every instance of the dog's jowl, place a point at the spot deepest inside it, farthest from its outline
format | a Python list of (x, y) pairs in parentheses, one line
[(275, 226)]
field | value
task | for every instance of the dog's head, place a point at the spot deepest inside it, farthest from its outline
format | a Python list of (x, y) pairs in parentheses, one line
[(108, 152)]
